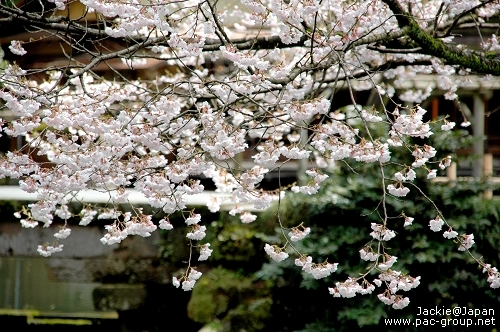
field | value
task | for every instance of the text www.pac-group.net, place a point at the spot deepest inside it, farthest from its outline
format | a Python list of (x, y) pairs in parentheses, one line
[(443, 322), (458, 316)]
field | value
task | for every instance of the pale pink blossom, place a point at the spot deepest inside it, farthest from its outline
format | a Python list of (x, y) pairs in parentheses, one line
[(399, 190), (447, 126), (28, 223), (436, 224), (17, 48), (323, 270), (205, 252), (408, 221), (388, 262), (276, 253), (194, 218), (445, 162), (493, 275), (347, 289), (190, 281), (368, 254), (386, 298), (382, 233), (48, 250), (63, 233), (297, 234), (450, 234), (165, 224), (214, 204), (246, 217), (197, 233), (466, 242), (401, 302)]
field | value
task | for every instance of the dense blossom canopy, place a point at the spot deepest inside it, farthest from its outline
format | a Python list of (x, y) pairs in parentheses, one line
[(257, 78)]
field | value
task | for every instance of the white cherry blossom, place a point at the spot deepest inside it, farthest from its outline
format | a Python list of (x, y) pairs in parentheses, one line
[(450, 234), (197, 233), (63, 233), (466, 242), (436, 224), (388, 262), (205, 252), (408, 221), (368, 255), (17, 48), (399, 190), (275, 253), (299, 233)]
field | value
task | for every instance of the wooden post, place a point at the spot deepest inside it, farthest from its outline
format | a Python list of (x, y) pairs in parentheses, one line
[(488, 165), (434, 108), (451, 172), (303, 163), (488, 173), (478, 131)]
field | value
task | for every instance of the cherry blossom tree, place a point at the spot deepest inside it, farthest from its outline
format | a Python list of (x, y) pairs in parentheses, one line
[(258, 78)]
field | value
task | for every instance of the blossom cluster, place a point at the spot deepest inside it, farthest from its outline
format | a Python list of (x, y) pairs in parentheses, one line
[(188, 281), (299, 233), (276, 253), (350, 288), (47, 250), (396, 281), (493, 275), (205, 252), (318, 271), (382, 233)]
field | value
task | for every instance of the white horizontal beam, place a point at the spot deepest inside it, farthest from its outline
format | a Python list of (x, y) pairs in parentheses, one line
[(15, 193)]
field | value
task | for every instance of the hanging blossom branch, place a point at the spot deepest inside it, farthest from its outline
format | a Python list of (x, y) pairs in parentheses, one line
[(256, 85)]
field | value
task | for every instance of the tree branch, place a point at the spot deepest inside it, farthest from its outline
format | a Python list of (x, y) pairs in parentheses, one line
[(451, 55), (261, 43)]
